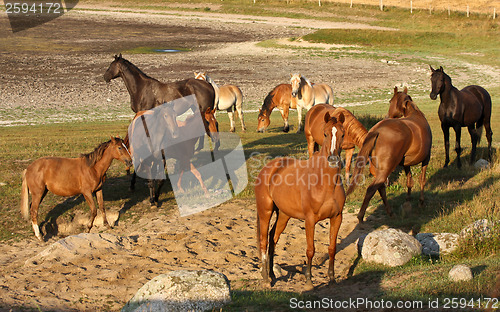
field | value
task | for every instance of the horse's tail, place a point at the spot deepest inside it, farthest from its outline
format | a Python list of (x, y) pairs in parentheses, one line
[(25, 209), (364, 153)]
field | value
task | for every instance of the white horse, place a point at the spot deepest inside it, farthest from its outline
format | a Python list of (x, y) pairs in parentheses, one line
[(227, 97), (308, 94)]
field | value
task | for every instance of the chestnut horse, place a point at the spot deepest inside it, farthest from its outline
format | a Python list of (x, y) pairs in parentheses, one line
[(282, 187), (391, 142), (355, 132), (280, 97), (309, 94), (147, 93), (69, 177), (180, 147), (227, 97), (469, 107)]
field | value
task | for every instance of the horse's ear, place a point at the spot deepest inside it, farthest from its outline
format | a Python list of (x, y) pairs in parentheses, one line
[(120, 56), (328, 117), (432, 69), (341, 118), (291, 75), (113, 139), (441, 69), (395, 90), (213, 110), (405, 90), (260, 110)]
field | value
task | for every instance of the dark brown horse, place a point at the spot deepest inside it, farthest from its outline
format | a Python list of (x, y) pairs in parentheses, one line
[(394, 141), (355, 132), (469, 107), (147, 93), (309, 190), (69, 177), (280, 97)]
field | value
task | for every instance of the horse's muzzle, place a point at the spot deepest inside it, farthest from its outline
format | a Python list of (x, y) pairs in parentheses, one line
[(261, 130), (294, 93), (433, 96)]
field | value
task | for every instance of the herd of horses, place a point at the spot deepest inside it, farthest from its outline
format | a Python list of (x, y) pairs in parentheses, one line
[(310, 190)]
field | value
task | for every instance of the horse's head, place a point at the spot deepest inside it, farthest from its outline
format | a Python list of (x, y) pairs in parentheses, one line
[(397, 107), (200, 75), (295, 82), (333, 132), (113, 69), (120, 151), (169, 117), (263, 121), (437, 82), (212, 126)]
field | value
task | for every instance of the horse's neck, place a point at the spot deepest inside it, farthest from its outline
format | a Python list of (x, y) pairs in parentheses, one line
[(102, 165), (449, 89), (134, 80)]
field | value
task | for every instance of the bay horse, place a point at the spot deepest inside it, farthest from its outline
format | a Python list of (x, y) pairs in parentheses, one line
[(355, 132), (147, 92), (280, 97), (69, 177), (227, 97), (469, 107), (309, 190), (159, 130), (309, 94), (391, 142)]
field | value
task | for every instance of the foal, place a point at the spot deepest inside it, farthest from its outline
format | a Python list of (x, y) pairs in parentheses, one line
[(309, 190)]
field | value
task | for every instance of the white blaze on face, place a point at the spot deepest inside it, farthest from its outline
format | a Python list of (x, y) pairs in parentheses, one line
[(334, 140)]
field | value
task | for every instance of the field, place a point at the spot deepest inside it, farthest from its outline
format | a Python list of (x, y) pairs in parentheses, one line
[(55, 102)]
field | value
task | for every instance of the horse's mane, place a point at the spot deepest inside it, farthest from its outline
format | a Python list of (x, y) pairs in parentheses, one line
[(93, 157), (268, 100), (307, 81), (129, 65), (353, 127), (414, 106)]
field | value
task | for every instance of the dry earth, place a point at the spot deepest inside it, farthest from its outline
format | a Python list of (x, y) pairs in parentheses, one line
[(56, 70)]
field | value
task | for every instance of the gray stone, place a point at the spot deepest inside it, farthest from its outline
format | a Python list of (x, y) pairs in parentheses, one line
[(181, 291), (482, 164), (390, 247), (436, 244), (480, 229), (460, 272)]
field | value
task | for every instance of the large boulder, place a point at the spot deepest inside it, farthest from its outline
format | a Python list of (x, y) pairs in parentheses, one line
[(181, 291), (436, 244), (390, 247)]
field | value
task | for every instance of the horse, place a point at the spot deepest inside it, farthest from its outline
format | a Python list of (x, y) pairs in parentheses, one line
[(160, 129), (355, 132), (404, 139), (280, 97), (147, 93), (469, 107), (281, 187), (69, 177), (308, 94), (227, 97)]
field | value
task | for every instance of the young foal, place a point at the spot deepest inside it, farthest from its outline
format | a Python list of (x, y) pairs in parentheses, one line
[(406, 141), (309, 190), (355, 132), (69, 177)]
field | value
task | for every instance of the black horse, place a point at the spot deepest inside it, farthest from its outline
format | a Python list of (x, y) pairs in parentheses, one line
[(469, 107)]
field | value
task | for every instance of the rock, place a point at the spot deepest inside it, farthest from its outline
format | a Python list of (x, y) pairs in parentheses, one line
[(181, 291), (390, 247), (436, 244), (482, 164), (460, 272), (480, 229)]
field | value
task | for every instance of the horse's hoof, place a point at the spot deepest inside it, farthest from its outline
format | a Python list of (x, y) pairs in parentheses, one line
[(360, 220), (286, 129), (309, 286), (232, 130)]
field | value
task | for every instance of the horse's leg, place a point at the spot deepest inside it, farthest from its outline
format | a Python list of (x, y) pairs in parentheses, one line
[(284, 115), (310, 251), (409, 182), (425, 163), (377, 184), (230, 114), (489, 136), (239, 110), (299, 116), (197, 174), (265, 208), (93, 211), (383, 194), (458, 149), (157, 192), (100, 202), (474, 137), (334, 231), (348, 160), (152, 192), (132, 182), (446, 133), (278, 228), (36, 200)]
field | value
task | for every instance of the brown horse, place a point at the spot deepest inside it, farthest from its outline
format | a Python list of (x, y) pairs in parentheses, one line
[(180, 147), (309, 190), (69, 177), (355, 132), (147, 93), (280, 97), (469, 107), (394, 141)]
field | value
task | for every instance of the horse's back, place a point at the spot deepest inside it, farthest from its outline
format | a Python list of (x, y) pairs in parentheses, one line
[(478, 100), (60, 175), (323, 93)]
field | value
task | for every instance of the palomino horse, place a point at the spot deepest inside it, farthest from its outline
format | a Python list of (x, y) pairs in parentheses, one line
[(227, 97), (280, 97), (282, 188), (469, 107), (159, 130), (146, 92), (355, 132), (69, 177), (308, 94), (395, 141)]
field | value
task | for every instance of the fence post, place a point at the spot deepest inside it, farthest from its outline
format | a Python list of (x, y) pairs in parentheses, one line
[(351, 4), (411, 7), (467, 10), (494, 13), (381, 5)]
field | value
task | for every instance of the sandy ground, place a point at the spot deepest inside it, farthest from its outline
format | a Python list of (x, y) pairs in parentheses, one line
[(56, 69)]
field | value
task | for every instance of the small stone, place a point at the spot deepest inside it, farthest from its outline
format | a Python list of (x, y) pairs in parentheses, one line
[(460, 272)]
